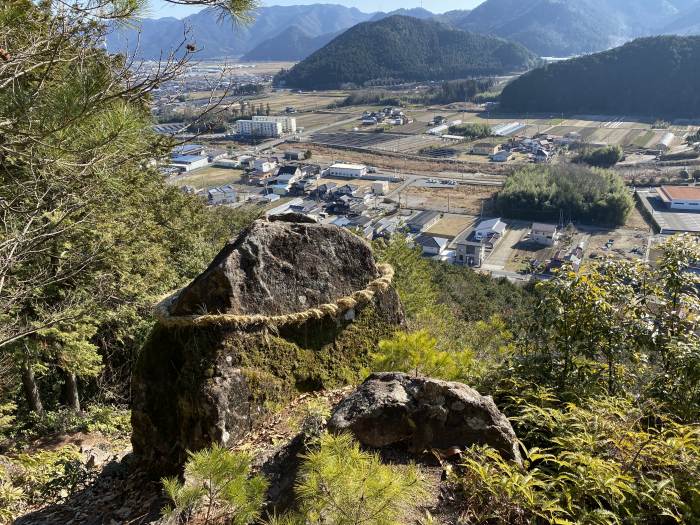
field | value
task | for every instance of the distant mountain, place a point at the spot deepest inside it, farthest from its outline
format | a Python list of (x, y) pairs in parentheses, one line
[(570, 27), (453, 18), (291, 45), (685, 23), (416, 12), (401, 48), (654, 76), (214, 38)]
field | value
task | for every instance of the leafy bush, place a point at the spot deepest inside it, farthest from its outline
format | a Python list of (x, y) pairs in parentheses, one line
[(417, 353), (471, 131), (582, 194), (219, 485), (342, 485), (40, 477), (109, 420), (605, 157), (599, 463)]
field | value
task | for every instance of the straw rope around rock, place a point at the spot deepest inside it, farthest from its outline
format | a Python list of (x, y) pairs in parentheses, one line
[(335, 309)]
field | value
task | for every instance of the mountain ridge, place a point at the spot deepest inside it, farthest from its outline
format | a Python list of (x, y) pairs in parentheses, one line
[(651, 76), (401, 48)]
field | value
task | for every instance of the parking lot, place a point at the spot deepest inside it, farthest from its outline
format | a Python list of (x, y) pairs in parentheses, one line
[(668, 222)]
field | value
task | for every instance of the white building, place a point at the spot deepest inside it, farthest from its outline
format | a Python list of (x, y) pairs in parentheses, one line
[(545, 234), (487, 229), (264, 165), (380, 187), (289, 124), (255, 128), (348, 171), (189, 162), (502, 156), (222, 195), (680, 197), (431, 245), (227, 163)]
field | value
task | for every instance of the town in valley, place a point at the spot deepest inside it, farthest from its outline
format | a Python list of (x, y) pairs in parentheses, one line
[(381, 170)]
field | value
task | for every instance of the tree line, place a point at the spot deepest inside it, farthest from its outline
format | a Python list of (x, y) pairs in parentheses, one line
[(578, 192), (653, 76)]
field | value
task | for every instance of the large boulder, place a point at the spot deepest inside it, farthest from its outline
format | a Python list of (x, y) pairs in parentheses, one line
[(394, 408), (289, 306)]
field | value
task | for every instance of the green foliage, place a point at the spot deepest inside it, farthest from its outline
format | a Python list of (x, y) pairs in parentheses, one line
[(605, 157), (444, 93), (601, 463), (40, 477), (649, 76), (218, 483), (471, 131), (400, 49), (583, 194), (114, 237), (413, 280), (311, 416), (455, 331), (342, 485), (620, 327), (416, 353), (111, 421)]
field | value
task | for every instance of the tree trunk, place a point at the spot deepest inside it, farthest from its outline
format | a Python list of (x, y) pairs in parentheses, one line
[(31, 390), (72, 396)]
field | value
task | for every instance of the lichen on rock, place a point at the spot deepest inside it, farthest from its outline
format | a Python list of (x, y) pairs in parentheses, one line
[(287, 307), (392, 408)]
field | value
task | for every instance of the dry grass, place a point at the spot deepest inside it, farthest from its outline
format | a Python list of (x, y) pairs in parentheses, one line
[(211, 177), (451, 225), (635, 221), (419, 167), (461, 199)]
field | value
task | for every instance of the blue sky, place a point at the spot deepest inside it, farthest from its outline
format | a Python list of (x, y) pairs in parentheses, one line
[(162, 8)]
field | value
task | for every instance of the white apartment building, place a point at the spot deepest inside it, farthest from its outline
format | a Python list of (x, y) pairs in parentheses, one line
[(257, 128), (289, 124)]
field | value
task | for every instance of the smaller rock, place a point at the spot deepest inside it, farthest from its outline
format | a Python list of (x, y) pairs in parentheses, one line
[(391, 408)]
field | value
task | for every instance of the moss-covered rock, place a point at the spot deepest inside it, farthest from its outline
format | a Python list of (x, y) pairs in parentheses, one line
[(196, 383)]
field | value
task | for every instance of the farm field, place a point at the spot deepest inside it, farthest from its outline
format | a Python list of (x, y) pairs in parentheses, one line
[(209, 177), (280, 100), (626, 244), (270, 68), (451, 225), (316, 119), (462, 199)]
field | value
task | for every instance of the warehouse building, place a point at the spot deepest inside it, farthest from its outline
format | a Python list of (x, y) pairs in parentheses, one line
[(680, 197), (347, 171)]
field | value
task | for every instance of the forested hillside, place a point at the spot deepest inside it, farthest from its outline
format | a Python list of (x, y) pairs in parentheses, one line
[(401, 48), (648, 77), (569, 27)]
